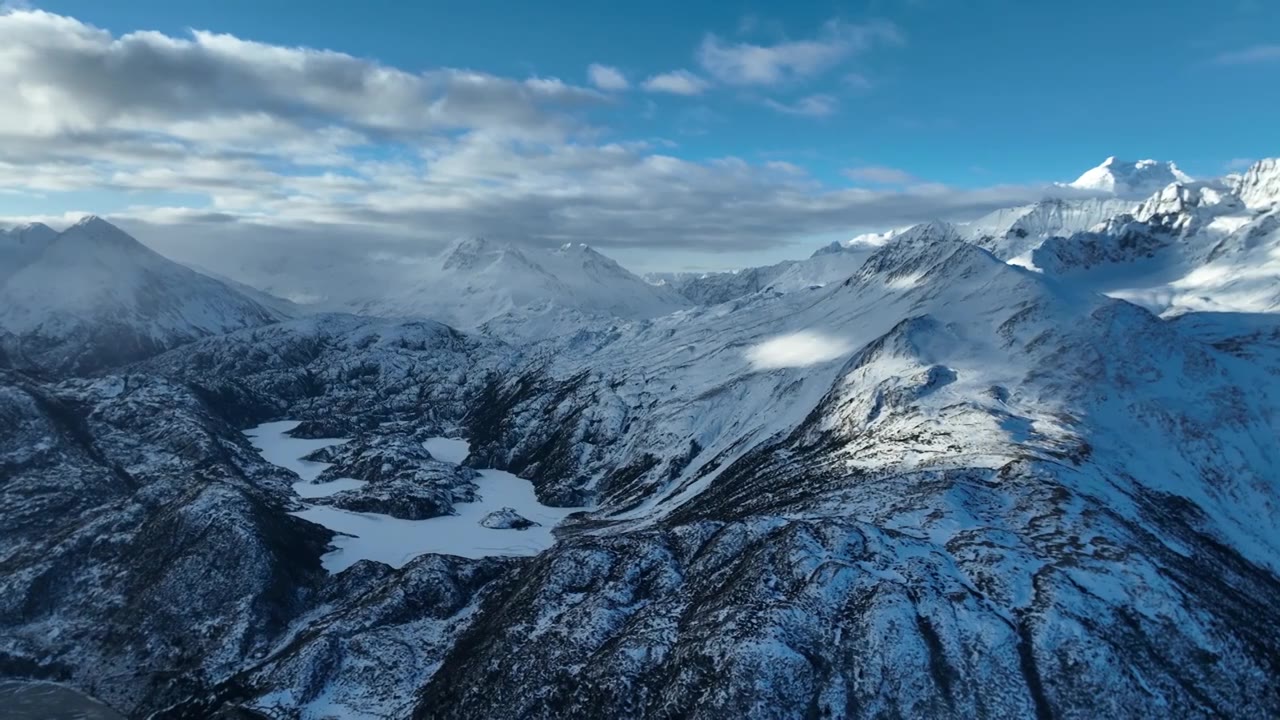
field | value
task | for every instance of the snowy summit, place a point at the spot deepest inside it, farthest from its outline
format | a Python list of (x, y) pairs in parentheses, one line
[(1130, 179)]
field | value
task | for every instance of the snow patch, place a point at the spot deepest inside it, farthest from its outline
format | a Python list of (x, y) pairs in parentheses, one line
[(448, 449)]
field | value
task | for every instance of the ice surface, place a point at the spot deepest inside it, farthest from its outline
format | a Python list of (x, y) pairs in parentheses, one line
[(385, 539), (448, 449), (278, 448)]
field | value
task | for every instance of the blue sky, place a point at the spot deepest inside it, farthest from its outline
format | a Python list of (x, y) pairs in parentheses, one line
[(888, 96)]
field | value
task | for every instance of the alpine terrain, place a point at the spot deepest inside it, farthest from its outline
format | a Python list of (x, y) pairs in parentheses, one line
[(1025, 464)]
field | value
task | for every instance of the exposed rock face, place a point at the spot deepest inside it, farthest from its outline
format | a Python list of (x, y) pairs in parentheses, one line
[(506, 519), (141, 559), (401, 478)]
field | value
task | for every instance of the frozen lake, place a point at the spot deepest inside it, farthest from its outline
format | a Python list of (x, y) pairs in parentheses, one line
[(371, 536)]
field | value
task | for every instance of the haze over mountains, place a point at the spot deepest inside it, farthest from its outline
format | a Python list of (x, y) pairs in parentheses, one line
[(91, 297), (1026, 465)]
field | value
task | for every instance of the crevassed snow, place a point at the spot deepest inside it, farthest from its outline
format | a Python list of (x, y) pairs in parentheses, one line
[(385, 539)]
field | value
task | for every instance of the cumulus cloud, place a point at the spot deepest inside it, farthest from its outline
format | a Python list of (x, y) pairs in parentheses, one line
[(750, 64), (58, 75), (811, 106), (1250, 55), (676, 82), (607, 78), (799, 349)]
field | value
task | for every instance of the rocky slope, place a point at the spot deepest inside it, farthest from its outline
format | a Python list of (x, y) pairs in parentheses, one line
[(141, 558)]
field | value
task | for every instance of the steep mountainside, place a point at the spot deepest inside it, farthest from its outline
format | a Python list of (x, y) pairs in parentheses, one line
[(1013, 232), (93, 297), (832, 263), (1190, 246)]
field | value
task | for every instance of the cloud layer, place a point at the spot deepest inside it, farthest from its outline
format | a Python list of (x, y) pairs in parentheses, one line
[(219, 137)]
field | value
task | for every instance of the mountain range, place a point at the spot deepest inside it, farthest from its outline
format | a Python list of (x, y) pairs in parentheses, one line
[(1026, 465)]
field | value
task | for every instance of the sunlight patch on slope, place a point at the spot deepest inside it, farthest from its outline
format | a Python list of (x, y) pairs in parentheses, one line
[(798, 349)]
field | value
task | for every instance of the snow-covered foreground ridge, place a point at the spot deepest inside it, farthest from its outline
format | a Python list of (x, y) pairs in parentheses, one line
[(950, 477)]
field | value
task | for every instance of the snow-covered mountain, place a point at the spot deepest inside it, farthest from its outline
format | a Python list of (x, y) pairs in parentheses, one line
[(1259, 186), (1190, 246), (903, 477), (93, 297), (1130, 179), (969, 468), (1013, 232), (712, 288), (532, 291), (828, 264), (20, 246)]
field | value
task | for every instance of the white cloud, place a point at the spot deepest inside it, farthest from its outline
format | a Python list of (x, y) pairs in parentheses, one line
[(811, 106), (58, 75), (880, 175), (1250, 55), (607, 78), (749, 64), (676, 82), (799, 349), (261, 153)]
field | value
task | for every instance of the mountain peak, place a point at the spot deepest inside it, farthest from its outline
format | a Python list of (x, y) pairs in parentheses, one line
[(1259, 187), (93, 230), (471, 254), (1130, 178), (31, 233)]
